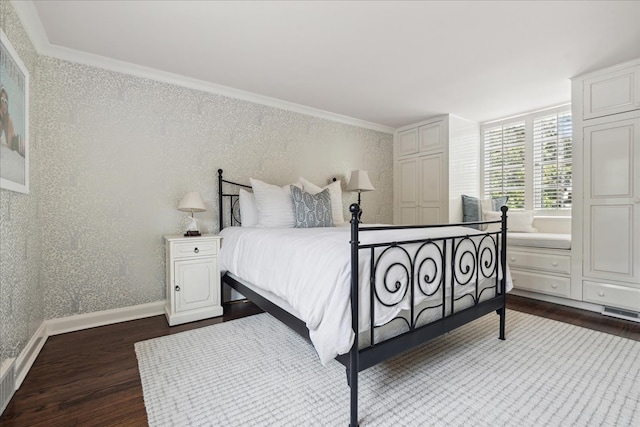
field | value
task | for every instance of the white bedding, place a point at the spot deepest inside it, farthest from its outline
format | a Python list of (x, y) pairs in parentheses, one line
[(311, 270)]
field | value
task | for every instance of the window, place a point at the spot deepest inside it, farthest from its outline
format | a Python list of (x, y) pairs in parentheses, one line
[(528, 158), (504, 161), (552, 161)]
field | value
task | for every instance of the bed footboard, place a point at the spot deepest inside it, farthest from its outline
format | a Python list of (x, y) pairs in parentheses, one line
[(467, 273)]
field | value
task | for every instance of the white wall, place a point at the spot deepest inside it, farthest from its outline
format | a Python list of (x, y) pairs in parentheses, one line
[(464, 163)]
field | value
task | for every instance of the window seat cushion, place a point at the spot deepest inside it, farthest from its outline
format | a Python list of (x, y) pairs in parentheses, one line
[(539, 240)]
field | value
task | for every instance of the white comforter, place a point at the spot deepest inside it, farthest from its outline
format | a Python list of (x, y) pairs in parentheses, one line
[(311, 270)]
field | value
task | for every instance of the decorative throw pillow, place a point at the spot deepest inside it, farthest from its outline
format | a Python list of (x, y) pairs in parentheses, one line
[(311, 210), (517, 221), (275, 208), (472, 208), (248, 209), (335, 190)]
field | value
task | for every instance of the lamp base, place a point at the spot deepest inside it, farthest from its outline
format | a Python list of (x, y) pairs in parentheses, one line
[(192, 233)]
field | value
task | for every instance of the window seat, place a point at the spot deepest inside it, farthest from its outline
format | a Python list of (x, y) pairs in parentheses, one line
[(539, 240)]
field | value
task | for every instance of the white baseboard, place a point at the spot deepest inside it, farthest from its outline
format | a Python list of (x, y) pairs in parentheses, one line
[(102, 318), (29, 354), (79, 322)]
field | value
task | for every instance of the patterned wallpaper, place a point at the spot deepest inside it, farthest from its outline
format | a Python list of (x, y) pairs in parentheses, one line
[(21, 287), (113, 154)]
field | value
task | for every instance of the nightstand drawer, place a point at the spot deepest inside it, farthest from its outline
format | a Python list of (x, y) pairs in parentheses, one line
[(538, 261), (543, 283), (195, 249)]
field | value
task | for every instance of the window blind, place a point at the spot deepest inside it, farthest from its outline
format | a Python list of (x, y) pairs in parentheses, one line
[(504, 162), (552, 161)]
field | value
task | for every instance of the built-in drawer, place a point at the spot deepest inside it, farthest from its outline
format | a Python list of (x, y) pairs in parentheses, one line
[(195, 249), (611, 295), (539, 261), (542, 283)]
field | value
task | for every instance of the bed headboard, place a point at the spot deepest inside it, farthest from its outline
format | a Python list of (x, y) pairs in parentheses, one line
[(228, 198), (228, 201)]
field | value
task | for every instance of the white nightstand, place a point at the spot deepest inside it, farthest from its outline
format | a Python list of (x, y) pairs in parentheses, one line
[(193, 278)]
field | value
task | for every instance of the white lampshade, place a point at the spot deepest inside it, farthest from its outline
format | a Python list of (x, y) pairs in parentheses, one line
[(192, 202), (359, 181)]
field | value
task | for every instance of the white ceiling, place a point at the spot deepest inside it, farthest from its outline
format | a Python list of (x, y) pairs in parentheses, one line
[(383, 62)]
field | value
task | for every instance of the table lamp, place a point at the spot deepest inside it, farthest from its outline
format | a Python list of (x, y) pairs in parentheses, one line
[(359, 182), (192, 202)]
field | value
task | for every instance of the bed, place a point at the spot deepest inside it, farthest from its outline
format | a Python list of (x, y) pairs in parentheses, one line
[(365, 293)]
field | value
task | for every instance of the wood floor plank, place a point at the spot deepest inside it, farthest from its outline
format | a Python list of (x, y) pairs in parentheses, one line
[(91, 378)]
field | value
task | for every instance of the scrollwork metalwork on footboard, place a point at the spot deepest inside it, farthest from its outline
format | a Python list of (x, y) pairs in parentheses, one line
[(414, 276)]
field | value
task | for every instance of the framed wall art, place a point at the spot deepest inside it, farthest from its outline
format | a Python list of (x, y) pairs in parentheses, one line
[(14, 119)]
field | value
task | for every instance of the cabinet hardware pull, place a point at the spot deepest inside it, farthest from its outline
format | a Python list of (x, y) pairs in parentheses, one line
[(196, 250), (513, 258), (554, 263), (177, 288), (601, 293), (553, 285)]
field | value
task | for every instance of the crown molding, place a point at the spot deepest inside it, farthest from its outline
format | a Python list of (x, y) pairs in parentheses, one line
[(30, 20)]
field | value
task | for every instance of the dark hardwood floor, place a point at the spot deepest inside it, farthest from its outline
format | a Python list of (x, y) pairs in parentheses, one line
[(90, 377)]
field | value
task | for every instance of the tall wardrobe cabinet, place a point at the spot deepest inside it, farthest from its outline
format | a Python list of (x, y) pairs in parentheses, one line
[(435, 161), (606, 211)]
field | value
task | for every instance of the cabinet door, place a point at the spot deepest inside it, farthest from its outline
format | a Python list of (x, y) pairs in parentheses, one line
[(612, 93), (408, 142), (431, 194), (421, 192), (611, 212), (408, 190), (196, 282), (432, 137)]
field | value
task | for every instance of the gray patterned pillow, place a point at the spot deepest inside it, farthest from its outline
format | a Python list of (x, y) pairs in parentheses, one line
[(311, 210), (472, 208)]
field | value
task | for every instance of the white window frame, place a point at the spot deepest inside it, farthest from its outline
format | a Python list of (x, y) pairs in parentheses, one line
[(528, 118)]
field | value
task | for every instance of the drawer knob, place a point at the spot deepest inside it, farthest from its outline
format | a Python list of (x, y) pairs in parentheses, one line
[(601, 293), (554, 263), (513, 258), (177, 288), (554, 285), (196, 250)]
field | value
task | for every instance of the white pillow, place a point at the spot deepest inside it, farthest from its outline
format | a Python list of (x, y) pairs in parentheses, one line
[(248, 209), (275, 207), (517, 221), (335, 191)]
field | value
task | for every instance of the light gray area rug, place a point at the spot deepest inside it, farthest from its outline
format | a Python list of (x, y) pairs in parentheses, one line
[(256, 371)]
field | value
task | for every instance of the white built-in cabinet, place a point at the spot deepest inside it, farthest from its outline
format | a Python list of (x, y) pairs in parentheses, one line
[(610, 92), (426, 189), (420, 167), (540, 270), (606, 211)]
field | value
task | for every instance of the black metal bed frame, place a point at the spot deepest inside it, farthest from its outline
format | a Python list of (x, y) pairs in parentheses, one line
[(481, 262)]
